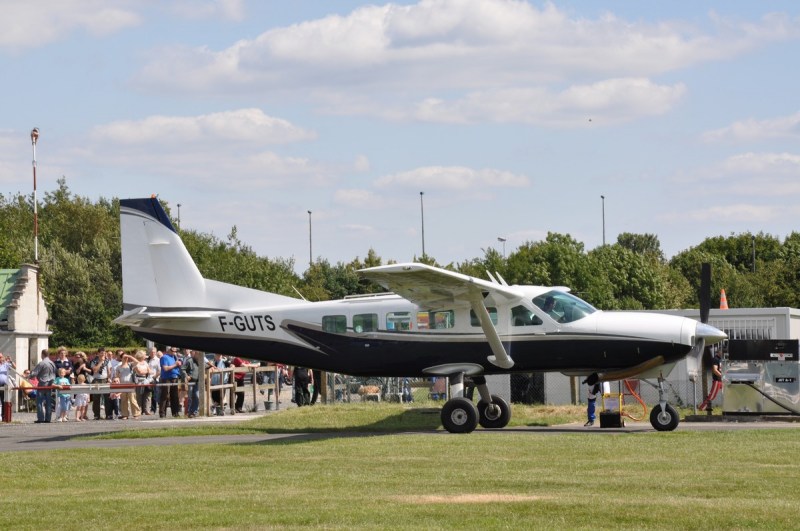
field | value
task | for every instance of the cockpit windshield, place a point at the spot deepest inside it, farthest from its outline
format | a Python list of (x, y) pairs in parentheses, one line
[(563, 307)]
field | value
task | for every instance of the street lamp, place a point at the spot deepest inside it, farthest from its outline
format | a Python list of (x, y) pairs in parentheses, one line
[(422, 214), (179, 215), (503, 240), (310, 254), (603, 198), (34, 138)]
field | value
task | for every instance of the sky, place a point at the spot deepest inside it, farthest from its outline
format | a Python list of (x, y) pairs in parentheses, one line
[(513, 118)]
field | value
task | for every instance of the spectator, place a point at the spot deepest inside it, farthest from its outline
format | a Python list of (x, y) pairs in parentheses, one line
[(170, 374), (63, 362), (239, 378), (316, 378), (64, 396), (81, 400), (142, 376), (45, 373), (303, 377), (100, 373), (130, 407), (191, 367), (217, 378), (80, 367), (6, 363), (115, 400), (153, 394)]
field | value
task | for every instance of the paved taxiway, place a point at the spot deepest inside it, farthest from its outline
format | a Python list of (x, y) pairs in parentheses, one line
[(24, 435)]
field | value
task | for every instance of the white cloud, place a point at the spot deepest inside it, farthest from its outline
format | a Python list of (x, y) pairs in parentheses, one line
[(733, 213), (358, 198), (453, 178), (755, 130), (243, 125), (361, 164), (764, 164), (605, 102), (26, 25), (437, 46), (196, 9)]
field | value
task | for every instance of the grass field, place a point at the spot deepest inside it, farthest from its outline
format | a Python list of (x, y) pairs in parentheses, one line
[(687, 480)]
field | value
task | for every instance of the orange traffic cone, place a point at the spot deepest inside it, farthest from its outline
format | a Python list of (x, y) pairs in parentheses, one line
[(723, 300)]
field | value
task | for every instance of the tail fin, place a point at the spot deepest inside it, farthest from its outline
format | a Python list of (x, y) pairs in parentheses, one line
[(157, 271), (159, 274)]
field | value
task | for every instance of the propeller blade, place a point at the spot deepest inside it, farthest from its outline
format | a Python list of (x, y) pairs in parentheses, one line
[(705, 292)]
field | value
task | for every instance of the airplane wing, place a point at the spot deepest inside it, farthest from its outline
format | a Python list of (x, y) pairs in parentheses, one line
[(433, 288)]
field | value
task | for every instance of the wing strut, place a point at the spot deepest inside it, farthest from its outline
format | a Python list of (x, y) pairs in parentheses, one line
[(500, 357)]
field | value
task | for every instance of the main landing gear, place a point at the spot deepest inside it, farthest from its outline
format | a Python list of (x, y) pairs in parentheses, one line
[(460, 415)]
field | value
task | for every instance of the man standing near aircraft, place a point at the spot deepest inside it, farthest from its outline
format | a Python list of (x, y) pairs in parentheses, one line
[(45, 372), (170, 374)]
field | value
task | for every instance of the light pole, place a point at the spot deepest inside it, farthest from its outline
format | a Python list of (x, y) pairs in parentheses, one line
[(422, 214), (503, 240), (310, 253), (179, 215), (603, 199), (34, 138)]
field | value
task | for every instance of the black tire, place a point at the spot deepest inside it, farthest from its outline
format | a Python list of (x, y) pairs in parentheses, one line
[(459, 415), (495, 415), (664, 421)]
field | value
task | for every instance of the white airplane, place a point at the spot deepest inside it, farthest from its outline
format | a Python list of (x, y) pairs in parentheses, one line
[(435, 323)]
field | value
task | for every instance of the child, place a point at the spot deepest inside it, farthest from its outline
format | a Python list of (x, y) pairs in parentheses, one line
[(63, 397), (81, 401), (115, 399)]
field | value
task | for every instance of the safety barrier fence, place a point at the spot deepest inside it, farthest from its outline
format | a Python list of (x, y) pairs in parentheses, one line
[(263, 386)]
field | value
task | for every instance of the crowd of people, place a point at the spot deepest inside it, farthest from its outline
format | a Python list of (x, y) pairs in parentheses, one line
[(177, 370)]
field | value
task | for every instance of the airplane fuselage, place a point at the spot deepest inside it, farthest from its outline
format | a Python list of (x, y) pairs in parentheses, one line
[(386, 335)]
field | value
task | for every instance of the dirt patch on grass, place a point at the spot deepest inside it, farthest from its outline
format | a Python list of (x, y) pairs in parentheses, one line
[(469, 498)]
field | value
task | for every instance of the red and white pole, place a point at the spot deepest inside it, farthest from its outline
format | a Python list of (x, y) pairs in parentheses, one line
[(34, 138)]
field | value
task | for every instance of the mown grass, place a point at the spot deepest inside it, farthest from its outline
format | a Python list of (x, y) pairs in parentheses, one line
[(512, 480), (362, 417)]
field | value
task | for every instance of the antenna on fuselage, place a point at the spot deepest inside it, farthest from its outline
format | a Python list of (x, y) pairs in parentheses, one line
[(298, 292)]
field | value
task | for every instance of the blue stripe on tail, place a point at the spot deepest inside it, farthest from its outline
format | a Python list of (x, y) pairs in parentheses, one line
[(150, 206)]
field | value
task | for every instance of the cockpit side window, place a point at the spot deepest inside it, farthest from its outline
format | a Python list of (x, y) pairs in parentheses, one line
[(563, 307)]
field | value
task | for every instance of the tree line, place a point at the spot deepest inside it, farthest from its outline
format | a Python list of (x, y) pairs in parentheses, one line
[(81, 275)]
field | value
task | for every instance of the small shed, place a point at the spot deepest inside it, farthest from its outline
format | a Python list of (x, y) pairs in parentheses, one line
[(23, 316)]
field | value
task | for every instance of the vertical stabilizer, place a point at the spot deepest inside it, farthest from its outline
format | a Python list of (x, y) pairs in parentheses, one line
[(157, 270)]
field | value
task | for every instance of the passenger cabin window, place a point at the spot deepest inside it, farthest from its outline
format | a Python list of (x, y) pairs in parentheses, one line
[(436, 320), (563, 307), (365, 322), (521, 316), (334, 324), (398, 321), (474, 321)]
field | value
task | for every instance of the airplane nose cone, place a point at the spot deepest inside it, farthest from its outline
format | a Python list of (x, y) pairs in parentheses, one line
[(711, 335)]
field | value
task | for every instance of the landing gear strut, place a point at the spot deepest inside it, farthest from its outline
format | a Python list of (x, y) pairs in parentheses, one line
[(663, 417), (459, 414)]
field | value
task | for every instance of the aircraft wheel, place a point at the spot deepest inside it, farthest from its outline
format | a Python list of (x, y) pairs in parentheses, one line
[(495, 415), (666, 420), (459, 415)]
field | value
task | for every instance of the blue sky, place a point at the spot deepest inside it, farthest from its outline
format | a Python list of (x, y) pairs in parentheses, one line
[(513, 117)]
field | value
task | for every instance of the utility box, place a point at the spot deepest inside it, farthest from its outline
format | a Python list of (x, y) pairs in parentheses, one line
[(763, 377), (611, 416)]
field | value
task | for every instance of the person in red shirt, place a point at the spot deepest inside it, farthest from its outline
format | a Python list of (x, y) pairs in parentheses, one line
[(239, 379)]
